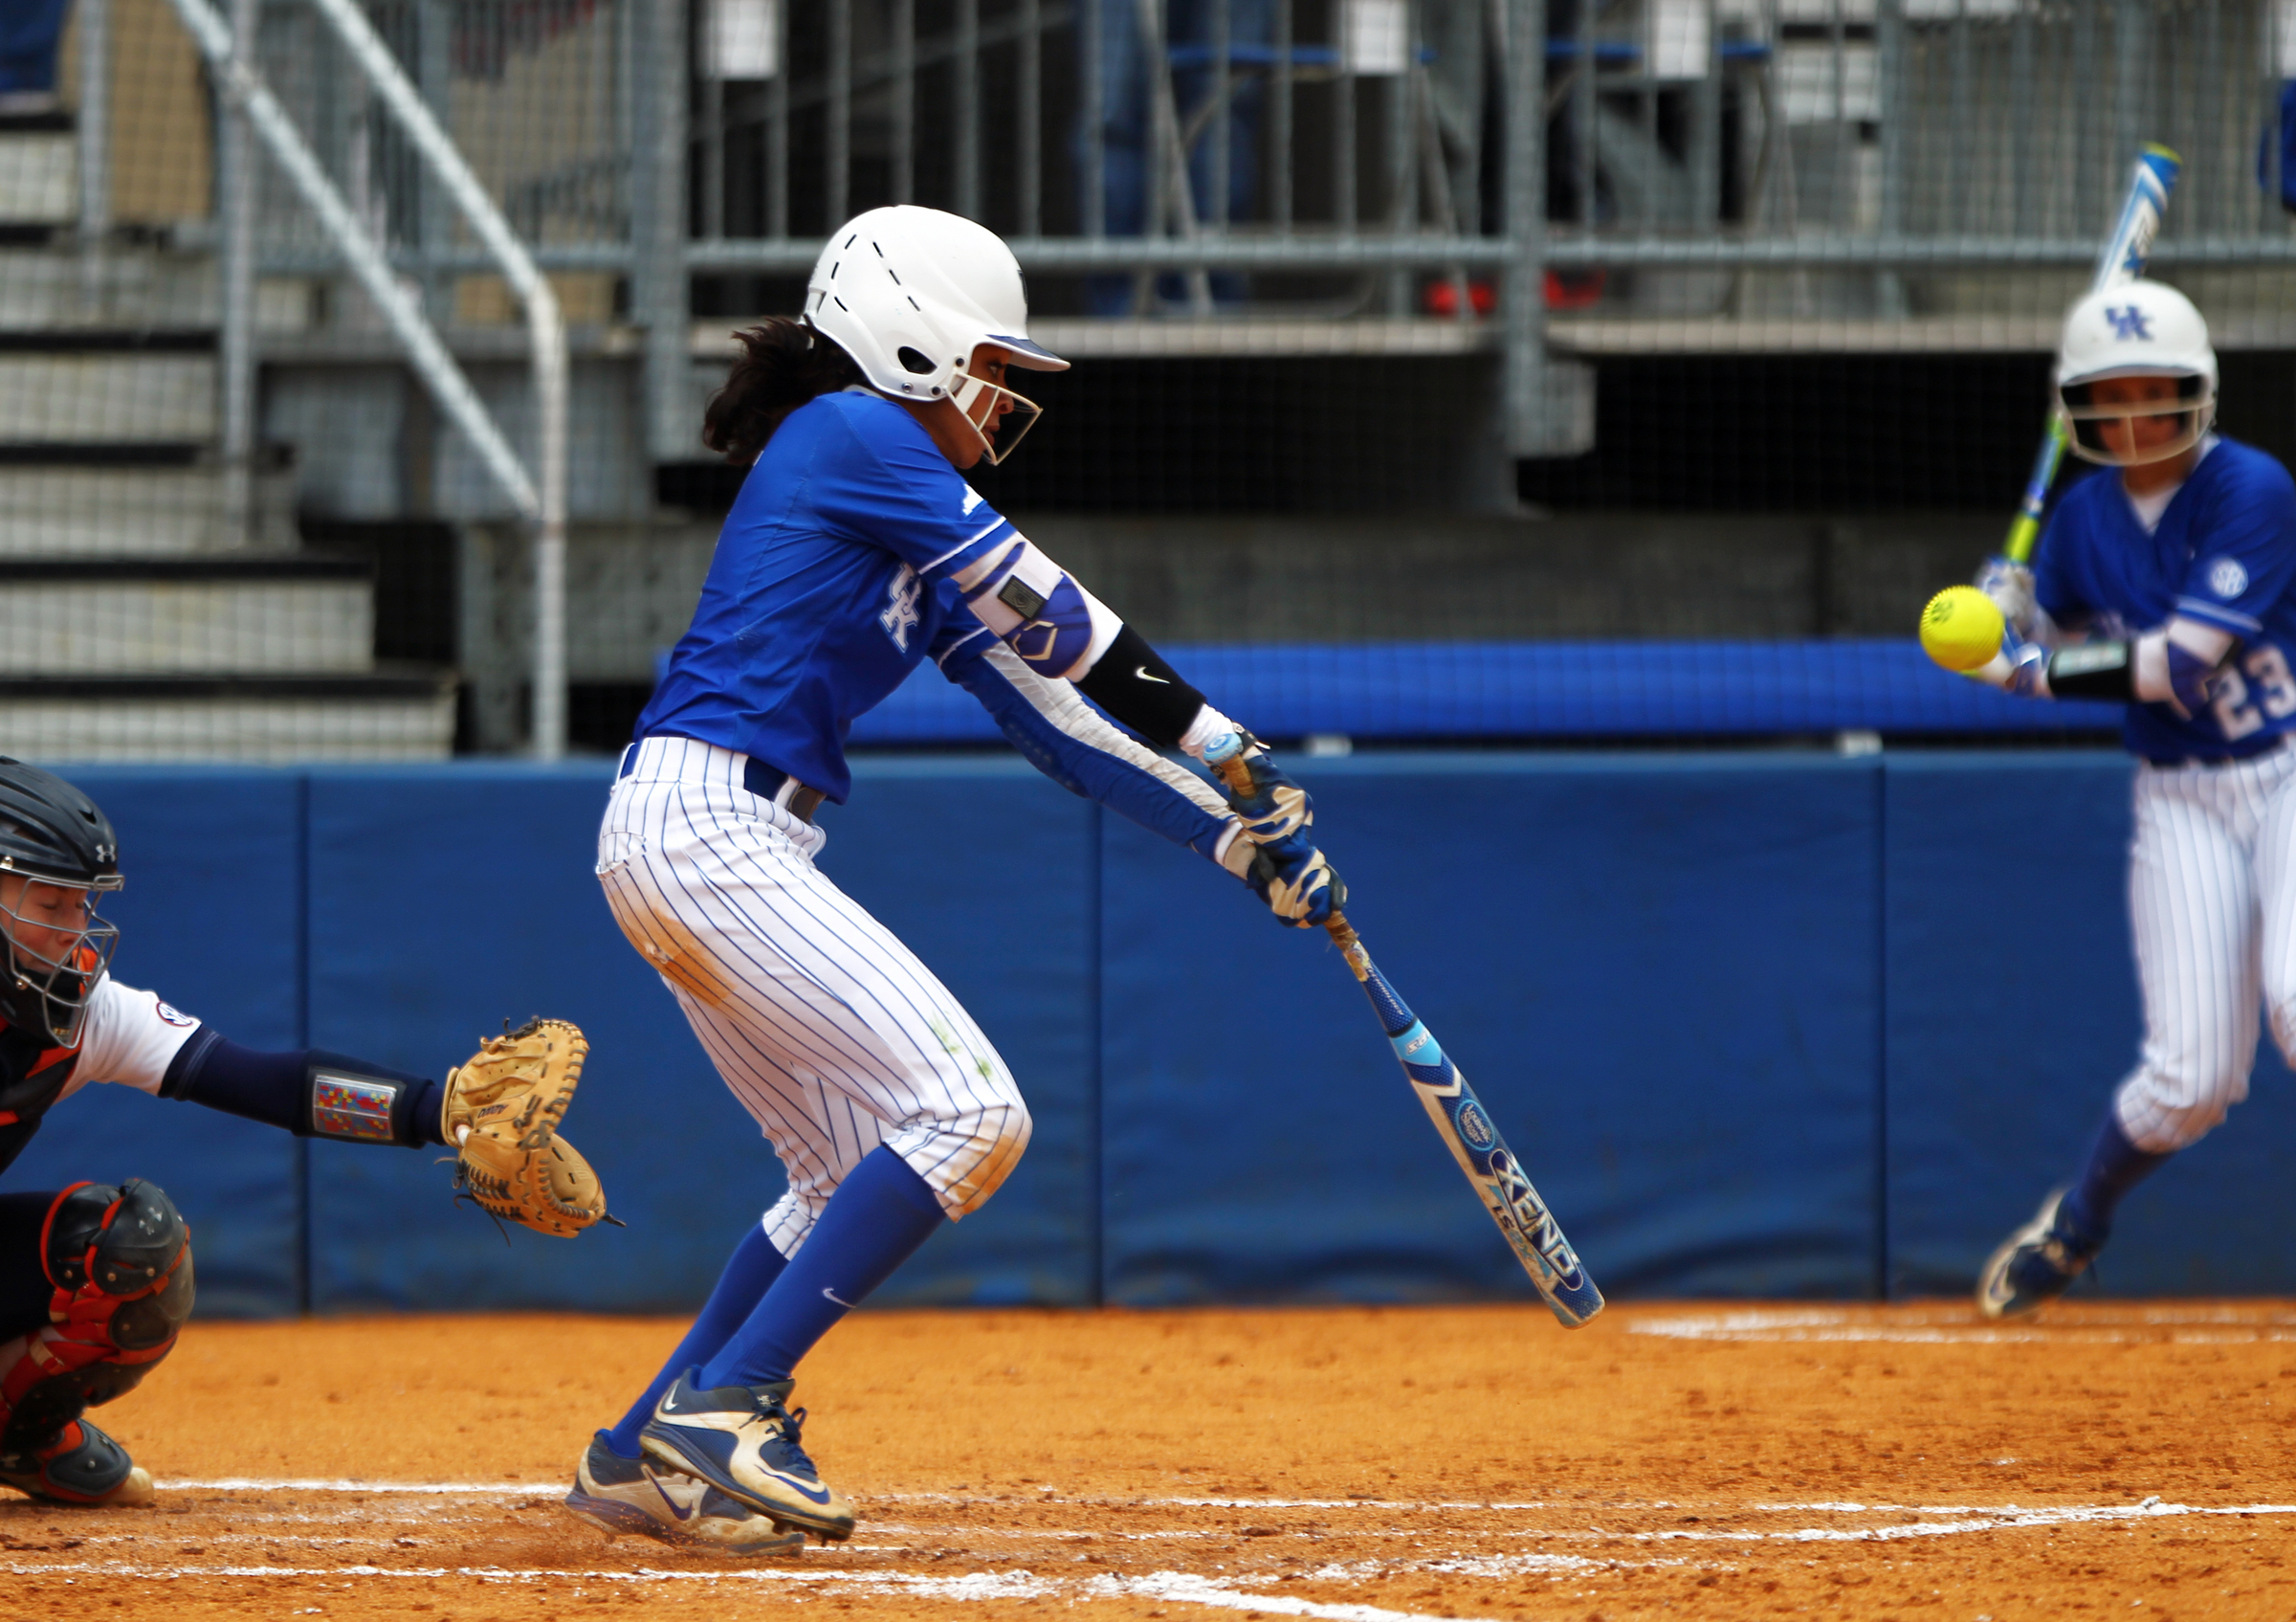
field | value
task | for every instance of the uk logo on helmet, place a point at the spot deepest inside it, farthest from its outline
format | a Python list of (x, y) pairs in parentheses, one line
[(2128, 322)]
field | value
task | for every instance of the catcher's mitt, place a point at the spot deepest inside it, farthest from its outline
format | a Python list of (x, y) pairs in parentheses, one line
[(501, 1114)]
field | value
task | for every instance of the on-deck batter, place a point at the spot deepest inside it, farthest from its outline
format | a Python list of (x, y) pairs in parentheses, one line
[(855, 550), (2177, 573)]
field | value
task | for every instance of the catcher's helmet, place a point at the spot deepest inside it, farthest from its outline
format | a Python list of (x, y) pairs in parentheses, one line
[(909, 293), (2136, 329), (52, 833)]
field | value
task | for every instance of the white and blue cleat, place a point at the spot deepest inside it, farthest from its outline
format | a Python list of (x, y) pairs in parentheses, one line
[(2035, 1265), (744, 1441), (634, 1495)]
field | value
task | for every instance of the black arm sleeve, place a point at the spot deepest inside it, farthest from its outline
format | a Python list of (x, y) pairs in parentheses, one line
[(311, 1093), (2094, 670), (1131, 682)]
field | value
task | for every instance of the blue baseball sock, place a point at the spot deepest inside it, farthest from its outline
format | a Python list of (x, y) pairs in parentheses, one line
[(749, 1273), (2115, 1167), (875, 1220)]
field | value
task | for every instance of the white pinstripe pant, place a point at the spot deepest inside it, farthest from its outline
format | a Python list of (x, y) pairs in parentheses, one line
[(2212, 897), (828, 1030)]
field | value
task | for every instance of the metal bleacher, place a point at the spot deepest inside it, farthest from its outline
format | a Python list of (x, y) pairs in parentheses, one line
[(148, 609)]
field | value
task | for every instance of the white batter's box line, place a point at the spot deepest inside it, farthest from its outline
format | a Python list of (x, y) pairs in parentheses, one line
[(974, 1585), (954, 1500), (434, 1489), (1176, 1588), (1181, 1588), (1166, 1587), (2195, 1327), (1991, 1512), (2009, 1521)]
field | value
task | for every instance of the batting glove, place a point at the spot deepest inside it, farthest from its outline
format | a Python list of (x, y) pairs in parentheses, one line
[(1277, 807), (1299, 886), (2019, 668), (2010, 585)]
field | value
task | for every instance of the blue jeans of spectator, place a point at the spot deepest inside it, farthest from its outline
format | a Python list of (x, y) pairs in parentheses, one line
[(2283, 132), (1127, 127), (29, 30)]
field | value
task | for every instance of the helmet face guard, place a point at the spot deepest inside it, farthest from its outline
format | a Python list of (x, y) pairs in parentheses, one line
[(2085, 418), (1004, 429), (46, 992)]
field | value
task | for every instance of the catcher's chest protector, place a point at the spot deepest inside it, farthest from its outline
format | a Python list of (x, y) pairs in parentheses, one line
[(32, 1075)]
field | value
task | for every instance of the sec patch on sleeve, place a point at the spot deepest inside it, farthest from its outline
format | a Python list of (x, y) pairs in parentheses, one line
[(173, 1015), (2227, 578)]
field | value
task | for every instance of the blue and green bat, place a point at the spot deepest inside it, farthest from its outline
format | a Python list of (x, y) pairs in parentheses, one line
[(2123, 259)]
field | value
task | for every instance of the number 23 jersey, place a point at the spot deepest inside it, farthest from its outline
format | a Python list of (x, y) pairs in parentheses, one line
[(2223, 555)]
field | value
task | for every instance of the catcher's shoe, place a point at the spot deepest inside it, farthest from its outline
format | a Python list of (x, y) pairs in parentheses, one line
[(80, 1464), (2036, 1264), (744, 1441), (624, 1495)]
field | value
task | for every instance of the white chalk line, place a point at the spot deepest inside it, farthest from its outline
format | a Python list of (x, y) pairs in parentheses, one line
[(435, 1489), (2203, 1326), (1172, 1587), (1241, 1593), (1052, 1498), (1963, 1520)]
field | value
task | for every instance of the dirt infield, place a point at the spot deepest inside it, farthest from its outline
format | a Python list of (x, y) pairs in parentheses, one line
[(1349, 1464)]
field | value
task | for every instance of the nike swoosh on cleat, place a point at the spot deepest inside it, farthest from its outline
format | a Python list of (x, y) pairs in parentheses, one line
[(799, 1488), (838, 1299), (1142, 673), (675, 1508)]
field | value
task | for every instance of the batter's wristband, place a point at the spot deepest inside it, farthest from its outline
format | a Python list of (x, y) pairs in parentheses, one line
[(2093, 670)]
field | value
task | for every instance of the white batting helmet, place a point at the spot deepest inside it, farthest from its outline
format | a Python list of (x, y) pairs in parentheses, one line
[(2137, 329), (909, 293)]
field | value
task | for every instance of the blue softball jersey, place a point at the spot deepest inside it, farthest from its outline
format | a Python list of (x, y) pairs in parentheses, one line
[(826, 590), (832, 580), (2223, 554)]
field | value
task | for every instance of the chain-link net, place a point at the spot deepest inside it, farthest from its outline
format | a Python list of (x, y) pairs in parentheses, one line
[(1753, 300)]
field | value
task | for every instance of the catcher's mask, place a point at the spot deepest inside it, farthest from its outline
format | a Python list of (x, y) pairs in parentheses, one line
[(57, 855)]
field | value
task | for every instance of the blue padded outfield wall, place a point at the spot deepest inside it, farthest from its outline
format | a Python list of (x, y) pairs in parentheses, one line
[(1762, 1023)]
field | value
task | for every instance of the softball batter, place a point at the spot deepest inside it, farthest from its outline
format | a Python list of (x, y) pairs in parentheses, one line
[(854, 550), (2177, 575)]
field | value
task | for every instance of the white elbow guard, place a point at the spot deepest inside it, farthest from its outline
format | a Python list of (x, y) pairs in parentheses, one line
[(1029, 602)]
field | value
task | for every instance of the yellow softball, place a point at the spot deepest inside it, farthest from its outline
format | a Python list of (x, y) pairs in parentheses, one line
[(1961, 629)]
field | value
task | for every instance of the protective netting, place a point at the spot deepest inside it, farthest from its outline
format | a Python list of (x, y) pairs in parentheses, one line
[(1753, 299)]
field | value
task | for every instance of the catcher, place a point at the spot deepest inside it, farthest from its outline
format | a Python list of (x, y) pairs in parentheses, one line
[(96, 1280)]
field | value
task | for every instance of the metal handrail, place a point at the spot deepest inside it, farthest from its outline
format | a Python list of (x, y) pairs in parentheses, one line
[(546, 331), (1306, 252), (543, 500)]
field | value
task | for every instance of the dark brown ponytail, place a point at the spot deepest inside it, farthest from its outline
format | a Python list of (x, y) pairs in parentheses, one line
[(784, 364)]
